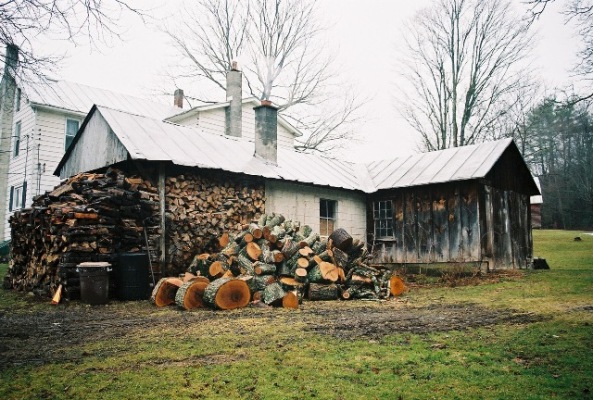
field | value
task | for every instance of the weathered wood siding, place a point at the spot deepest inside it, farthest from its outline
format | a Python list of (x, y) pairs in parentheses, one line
[(94, 149), (437, 223), (456, 222)]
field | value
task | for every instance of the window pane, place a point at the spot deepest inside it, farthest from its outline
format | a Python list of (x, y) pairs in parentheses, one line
[(17, 139), (71, 127)]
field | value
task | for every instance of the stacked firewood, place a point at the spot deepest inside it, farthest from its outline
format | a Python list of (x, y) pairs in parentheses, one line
[(90, 217), (200, 208), (278, 262)]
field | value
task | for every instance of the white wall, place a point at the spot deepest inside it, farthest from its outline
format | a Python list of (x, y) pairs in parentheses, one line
[(301, 203), (213, 121)]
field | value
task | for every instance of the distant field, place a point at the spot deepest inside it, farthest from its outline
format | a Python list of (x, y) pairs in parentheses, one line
[(525, 335)]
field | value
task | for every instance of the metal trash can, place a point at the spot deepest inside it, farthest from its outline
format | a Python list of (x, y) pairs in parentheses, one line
[(94, 282), (132, 276)]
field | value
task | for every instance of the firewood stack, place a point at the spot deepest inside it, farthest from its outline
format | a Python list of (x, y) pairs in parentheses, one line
[(90, 217), (278, 262), (200, 208)]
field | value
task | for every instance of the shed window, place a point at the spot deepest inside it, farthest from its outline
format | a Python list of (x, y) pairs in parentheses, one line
[(17, 139), (72, 126), (383, 217), (327, 216)]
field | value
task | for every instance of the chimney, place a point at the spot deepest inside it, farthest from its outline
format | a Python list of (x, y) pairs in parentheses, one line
[(11, 61), (234, 93), (266, 131), (178, 98)]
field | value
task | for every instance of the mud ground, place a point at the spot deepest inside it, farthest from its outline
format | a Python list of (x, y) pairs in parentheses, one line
[(47, 335)]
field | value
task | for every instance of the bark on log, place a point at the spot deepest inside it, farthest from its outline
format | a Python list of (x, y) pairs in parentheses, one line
[(227, 294), (263, 268), (190, 294), (165, 290), (273, 294), (341, 239), (322, 292)]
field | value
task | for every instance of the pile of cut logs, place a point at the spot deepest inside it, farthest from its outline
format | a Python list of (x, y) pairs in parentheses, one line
[(202, 207), (90, 217), (277, 262)]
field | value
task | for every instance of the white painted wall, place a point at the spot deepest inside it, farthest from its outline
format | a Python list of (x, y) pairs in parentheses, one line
[(301, 203), (39, 156), (213, 121)]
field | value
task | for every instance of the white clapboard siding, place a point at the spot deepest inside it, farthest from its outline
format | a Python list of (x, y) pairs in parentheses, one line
[(16, 165), (301, 203)]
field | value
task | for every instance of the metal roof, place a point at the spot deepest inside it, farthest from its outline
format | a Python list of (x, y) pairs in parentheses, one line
[(78, 98), (151, 139), (148, 138), (456, 164)]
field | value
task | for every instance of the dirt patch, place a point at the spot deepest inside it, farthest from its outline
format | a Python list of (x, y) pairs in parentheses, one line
[(59, 334), (376, 323)]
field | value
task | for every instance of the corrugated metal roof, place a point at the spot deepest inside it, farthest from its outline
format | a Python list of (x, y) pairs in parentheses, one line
[(79, 98), (148, 138), (151, 139), (457, 164)]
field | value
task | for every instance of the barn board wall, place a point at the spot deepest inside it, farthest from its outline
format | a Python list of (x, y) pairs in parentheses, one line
[(436, 223), (106, 150)]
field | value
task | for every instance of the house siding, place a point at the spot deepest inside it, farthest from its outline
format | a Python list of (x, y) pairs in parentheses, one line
[(24, 163), (213, 121), (301, 203)]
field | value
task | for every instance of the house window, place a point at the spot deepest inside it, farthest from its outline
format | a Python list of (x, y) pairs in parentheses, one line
[(18, 99), (17, 139), (17, 197), (327, 216), (72, 126), (383, 217)]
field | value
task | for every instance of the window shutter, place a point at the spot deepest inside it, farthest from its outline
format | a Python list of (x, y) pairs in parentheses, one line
[(24, 194), (11, 196)]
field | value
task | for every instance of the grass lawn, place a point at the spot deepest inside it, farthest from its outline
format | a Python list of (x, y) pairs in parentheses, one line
[(234, 356)]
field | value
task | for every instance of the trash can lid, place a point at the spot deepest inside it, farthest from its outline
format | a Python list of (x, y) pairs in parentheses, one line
[(102, 264)]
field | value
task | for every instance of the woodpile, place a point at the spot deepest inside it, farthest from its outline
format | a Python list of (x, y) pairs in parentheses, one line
[(202, 207), (90, 217), (278, 262)]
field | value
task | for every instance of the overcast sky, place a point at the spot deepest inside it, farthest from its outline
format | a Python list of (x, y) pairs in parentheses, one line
[(365, 36)]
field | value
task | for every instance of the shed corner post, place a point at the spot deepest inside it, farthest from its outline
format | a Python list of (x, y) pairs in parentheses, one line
[(162, 209)]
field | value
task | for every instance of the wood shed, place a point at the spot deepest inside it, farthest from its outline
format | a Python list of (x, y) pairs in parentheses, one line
[(461, 205)]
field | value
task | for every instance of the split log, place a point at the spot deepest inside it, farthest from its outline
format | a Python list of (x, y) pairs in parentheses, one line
[(322, 292), (227, 294), (165, 290), (190, 294), (290, 300), (329, 271), (289, 248)]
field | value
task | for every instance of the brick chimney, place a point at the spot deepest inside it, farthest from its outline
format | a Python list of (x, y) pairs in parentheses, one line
[(178, 98), (266, 132), (234, 93)]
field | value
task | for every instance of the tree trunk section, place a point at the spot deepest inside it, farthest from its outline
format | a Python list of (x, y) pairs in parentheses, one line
[(319, 291), (341, 239), (190, 294), (165, 290), (227, 294)]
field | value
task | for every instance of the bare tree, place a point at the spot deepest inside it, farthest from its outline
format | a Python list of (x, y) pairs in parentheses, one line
[(461, 69), (282, 57), (579, 13), (21, 21)]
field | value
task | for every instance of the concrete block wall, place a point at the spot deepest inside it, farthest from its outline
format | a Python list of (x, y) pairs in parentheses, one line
[(301, 202)]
